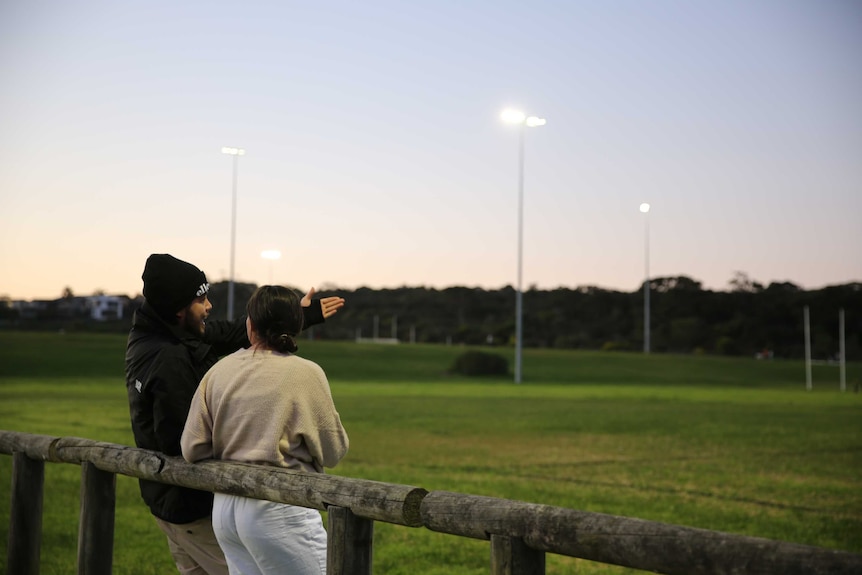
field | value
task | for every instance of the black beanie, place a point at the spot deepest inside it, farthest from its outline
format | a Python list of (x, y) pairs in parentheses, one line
[(171, 284)]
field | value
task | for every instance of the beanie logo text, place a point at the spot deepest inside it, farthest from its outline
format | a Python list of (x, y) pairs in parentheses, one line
[(205, 287)]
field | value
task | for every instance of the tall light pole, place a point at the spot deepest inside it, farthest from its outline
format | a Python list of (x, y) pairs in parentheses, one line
[(270, 255), (645, 212), (236, 153), (510, 116)]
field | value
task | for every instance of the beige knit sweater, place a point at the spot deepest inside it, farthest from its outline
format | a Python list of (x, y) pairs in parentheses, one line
[(261, 406)]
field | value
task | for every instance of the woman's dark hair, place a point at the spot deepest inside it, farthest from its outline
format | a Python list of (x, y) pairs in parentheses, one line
[(276, 315)]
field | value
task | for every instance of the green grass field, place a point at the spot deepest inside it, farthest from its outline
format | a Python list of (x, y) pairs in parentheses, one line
[(733, 445)]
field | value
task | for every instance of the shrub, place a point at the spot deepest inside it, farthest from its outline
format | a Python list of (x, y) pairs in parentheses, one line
[(616, 346), (480, 363), (726, 346)]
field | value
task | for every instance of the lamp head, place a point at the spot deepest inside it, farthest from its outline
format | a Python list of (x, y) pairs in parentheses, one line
[(512, 116)]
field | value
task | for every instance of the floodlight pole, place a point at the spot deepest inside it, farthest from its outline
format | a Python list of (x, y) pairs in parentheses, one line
[(236, 153), (519, 306), (523, 122), (645, 210)]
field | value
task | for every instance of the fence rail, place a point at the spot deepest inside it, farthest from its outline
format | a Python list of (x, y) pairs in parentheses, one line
[(519, 533)]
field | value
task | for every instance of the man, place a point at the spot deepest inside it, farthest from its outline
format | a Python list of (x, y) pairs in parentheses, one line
[(171, 346)]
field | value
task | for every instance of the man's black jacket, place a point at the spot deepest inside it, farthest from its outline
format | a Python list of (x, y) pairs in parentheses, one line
[(164, 365)]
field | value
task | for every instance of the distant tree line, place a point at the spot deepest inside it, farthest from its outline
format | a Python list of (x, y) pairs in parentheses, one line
[(747, 319)]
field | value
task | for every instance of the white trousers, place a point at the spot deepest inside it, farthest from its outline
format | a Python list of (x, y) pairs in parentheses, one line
[(266, 538)]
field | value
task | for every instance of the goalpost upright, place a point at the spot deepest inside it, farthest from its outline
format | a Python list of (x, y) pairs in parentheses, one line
[(841, 350), (842, 366), (807, 349)]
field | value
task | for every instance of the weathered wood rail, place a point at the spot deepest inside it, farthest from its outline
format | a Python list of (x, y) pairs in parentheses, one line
[(519, 533)]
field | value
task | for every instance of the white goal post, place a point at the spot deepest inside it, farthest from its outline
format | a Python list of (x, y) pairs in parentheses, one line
[(842, 377)]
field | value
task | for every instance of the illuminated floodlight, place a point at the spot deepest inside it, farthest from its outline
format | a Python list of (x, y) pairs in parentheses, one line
[(533, 121), (233, 151), (644, 208), (270, 255), (512, 116)]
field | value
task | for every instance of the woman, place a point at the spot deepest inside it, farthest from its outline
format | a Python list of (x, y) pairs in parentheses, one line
[(266, 405)]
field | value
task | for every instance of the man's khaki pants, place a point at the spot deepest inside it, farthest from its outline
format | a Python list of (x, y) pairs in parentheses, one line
[(194, 547)]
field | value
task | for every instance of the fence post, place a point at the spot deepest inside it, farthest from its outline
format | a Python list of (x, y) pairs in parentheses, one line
[(349, 543), (96, 529), (25, 519), (511, 556)]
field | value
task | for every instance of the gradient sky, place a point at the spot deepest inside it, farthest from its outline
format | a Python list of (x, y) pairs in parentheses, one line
[(376, 156)]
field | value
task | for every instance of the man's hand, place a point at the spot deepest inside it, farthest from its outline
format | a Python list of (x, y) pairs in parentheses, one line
[(328, 305)]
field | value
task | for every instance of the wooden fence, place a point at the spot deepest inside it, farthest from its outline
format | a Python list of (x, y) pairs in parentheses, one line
[(520, 533)]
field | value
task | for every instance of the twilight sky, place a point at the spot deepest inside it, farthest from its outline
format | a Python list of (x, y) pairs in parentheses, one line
[(376, 155)]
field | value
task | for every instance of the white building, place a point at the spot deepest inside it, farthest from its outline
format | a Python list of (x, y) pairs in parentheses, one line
[(106, 307)]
